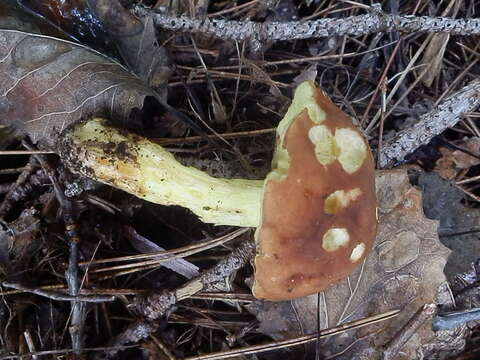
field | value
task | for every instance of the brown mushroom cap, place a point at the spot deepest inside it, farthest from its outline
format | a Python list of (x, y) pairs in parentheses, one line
[(319, 209)]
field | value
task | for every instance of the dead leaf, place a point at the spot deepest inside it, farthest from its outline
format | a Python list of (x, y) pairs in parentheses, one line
[(452, 161), (14, 17), (437, 44), (433, 57), (464, 160), (48, 83), (136, 40), (74, 17), (445, 166), (403, 271)]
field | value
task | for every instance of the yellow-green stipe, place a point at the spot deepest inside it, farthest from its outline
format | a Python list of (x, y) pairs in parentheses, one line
[(145, 169)]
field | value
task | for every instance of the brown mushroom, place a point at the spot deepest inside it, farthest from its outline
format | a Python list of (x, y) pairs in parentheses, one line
[(318, 217), (314, 213)]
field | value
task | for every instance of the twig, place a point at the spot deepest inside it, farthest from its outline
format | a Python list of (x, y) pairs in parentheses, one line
[(30, 344), (258, 33), (60, 351), (168, 354), (219, 296), (78, 308), (25, 152), (22, 188), (163, 257), (12, 170), (57, 296), (425, 313), (431, 124), (454, 319), (383, 89), (170, 141), (156, 305), (77, 320), (275, 345), (166, 255), (15, 192)]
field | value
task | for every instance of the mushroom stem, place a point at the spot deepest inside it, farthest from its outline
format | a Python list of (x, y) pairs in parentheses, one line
[(145, 169)]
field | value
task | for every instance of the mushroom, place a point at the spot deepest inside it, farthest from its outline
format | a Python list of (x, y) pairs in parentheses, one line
[(315, 212), (319, 208)]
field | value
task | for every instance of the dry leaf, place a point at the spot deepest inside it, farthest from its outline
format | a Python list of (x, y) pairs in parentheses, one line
[(437, 44), (452, 161), (433, 57), (47, 83), (403, 271), (74, 17), (136, 40), (462, 159), (445, 166)]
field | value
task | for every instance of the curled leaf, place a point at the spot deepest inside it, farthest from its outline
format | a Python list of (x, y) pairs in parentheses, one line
[(48, 83)]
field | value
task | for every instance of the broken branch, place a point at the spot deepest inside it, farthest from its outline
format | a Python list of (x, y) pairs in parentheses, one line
[(372, 22), (156, 305), (431, 124)]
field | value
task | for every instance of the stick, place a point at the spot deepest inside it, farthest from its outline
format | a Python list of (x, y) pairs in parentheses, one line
[(154, 306), (431, 124), (77, 320), (373, 22), (275, 345), (425, 313), (454, 319), (15, 191), (57, 296)]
